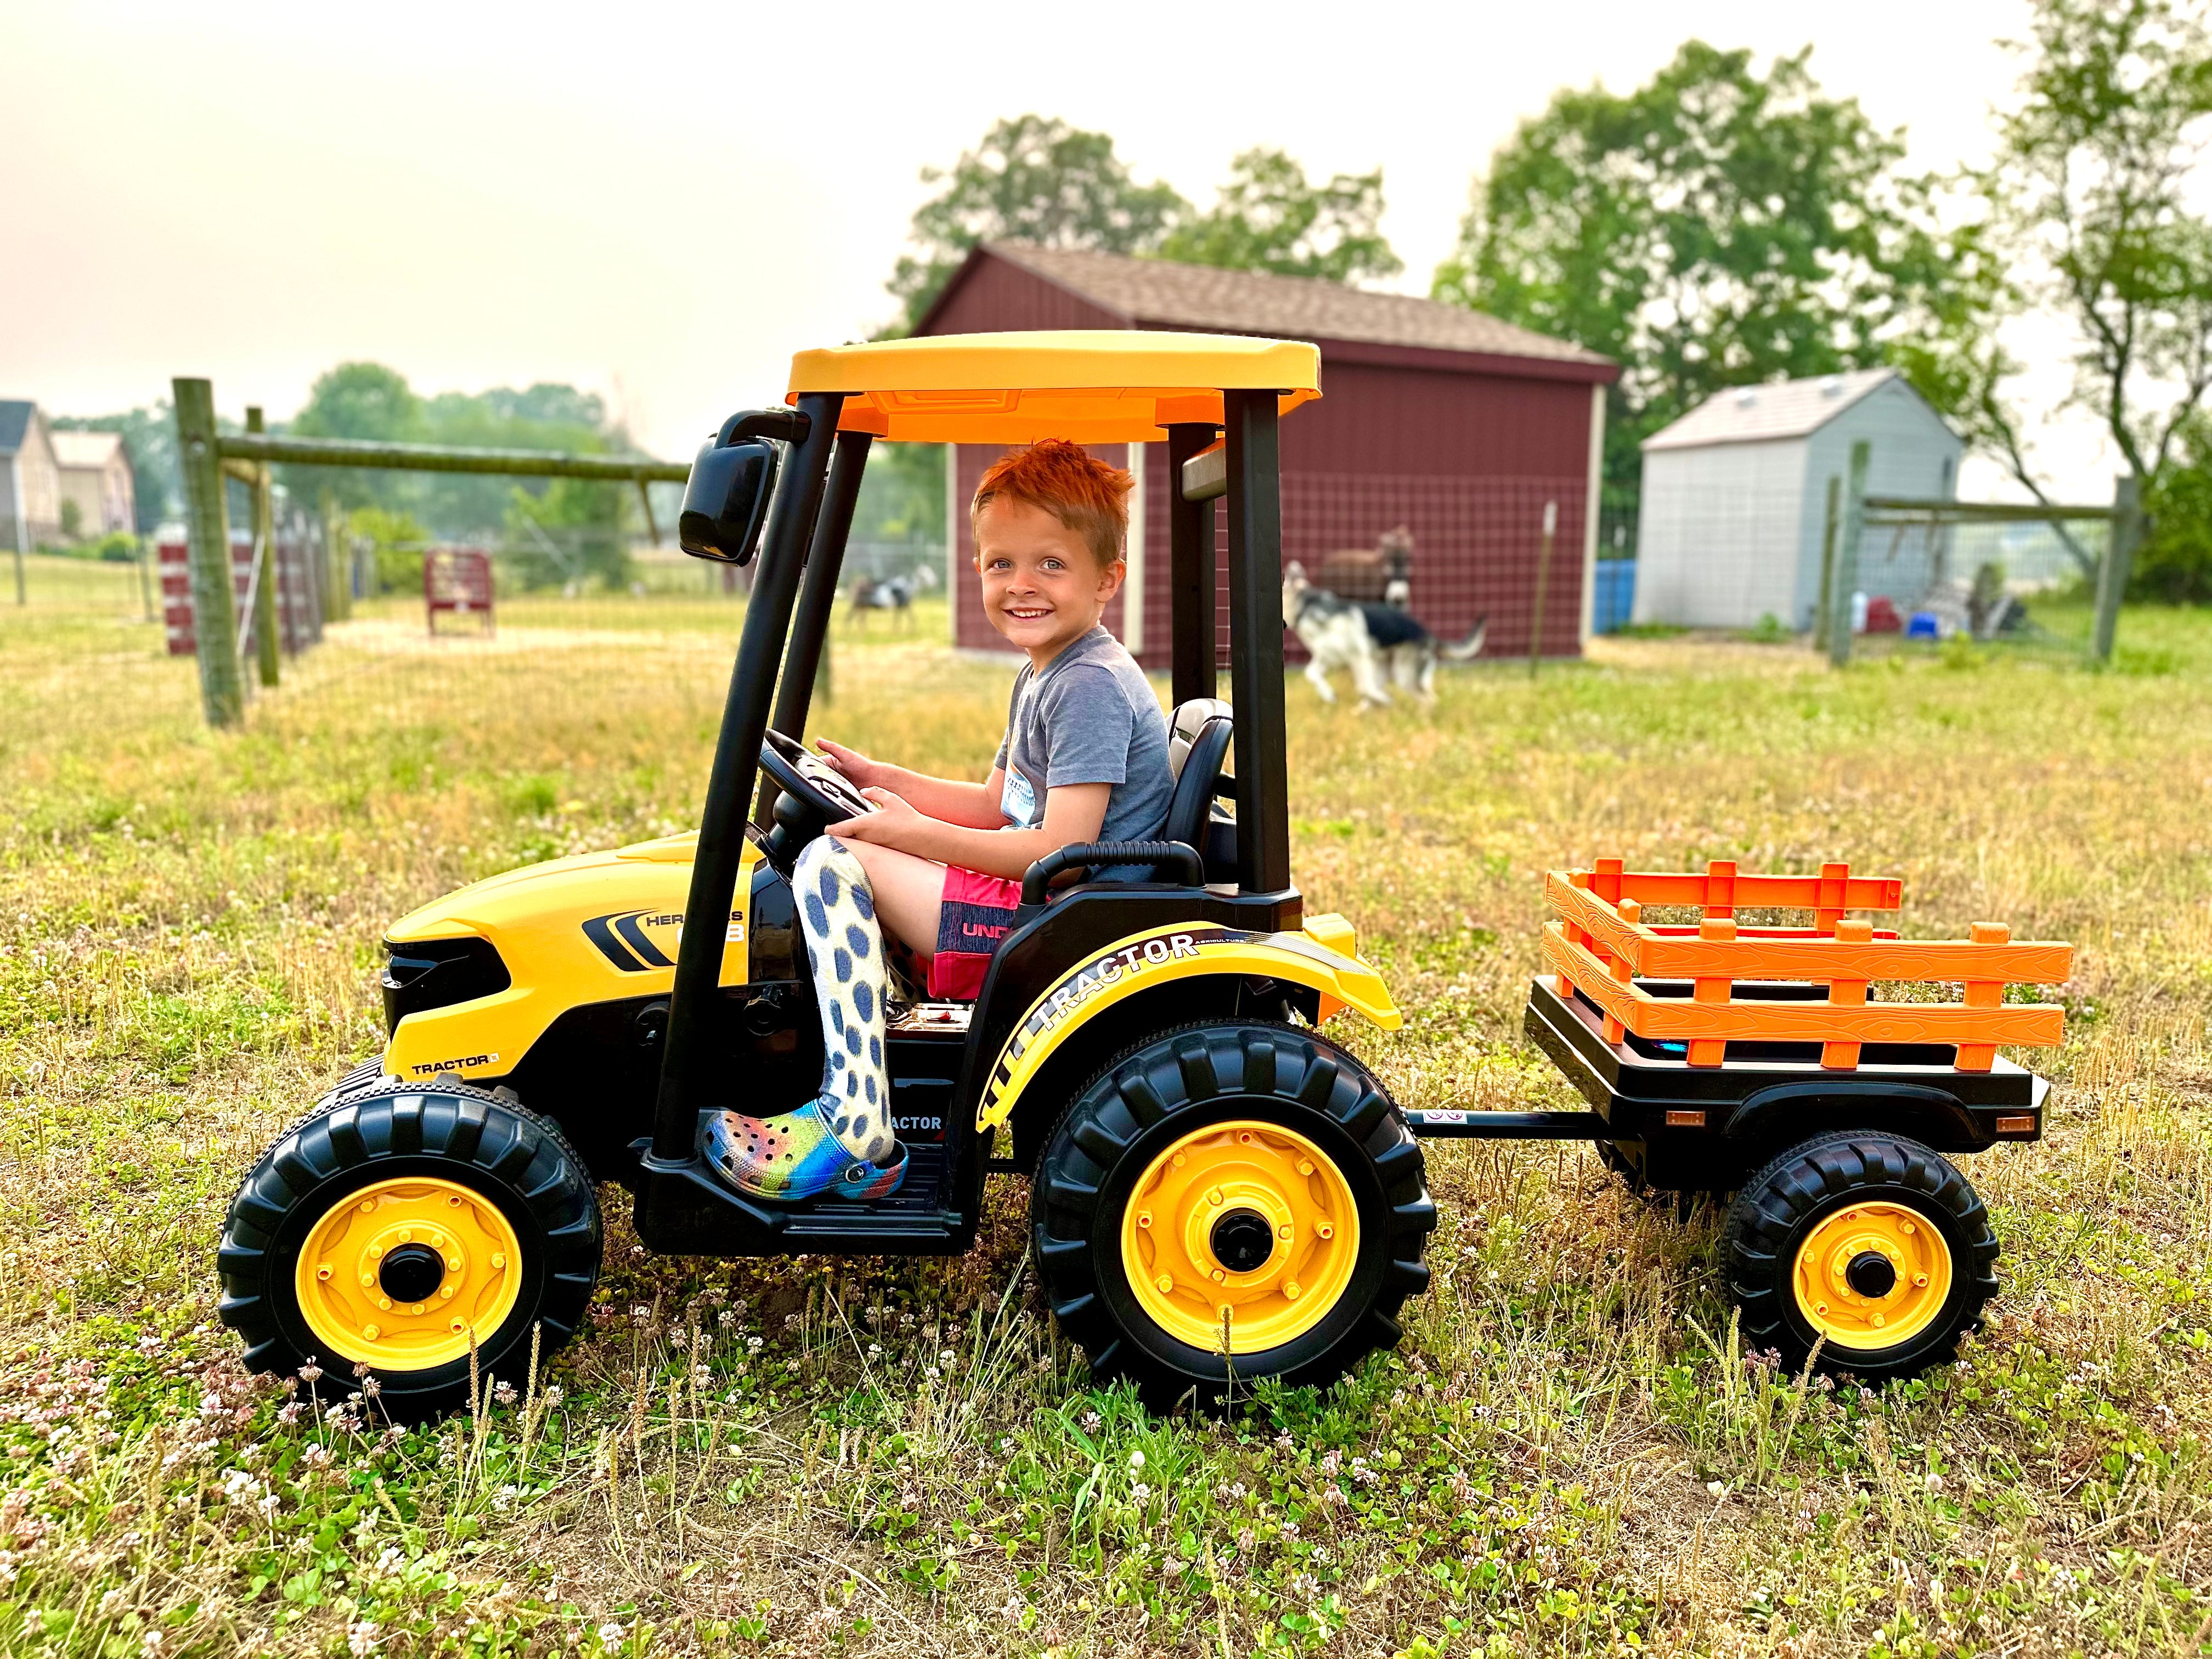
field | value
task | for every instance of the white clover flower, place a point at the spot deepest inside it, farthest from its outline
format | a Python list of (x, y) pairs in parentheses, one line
[(611, 1633), (1136, 1460), (361, 1637)]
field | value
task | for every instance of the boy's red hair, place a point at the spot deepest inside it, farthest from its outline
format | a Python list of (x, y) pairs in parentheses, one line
[(1069, 482)]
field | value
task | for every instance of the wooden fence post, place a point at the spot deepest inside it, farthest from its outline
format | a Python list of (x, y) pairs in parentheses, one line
[(2112, 571), (338, 580), (1828, 529), (1543, 576), (215, 617), (1847, 562), (265, 640), (1846, 993)]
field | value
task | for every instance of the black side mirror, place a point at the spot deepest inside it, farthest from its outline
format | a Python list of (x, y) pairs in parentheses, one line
[(726, 499)]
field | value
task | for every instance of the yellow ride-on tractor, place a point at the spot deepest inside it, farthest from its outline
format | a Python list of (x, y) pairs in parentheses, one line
[(1217, 1189)]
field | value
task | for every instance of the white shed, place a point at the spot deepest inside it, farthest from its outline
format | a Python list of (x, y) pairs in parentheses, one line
[(1734, 498)]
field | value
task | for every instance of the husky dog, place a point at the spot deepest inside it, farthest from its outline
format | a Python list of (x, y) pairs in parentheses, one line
[(1372, 641)]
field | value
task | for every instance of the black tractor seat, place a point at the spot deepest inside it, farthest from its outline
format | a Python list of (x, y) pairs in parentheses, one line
[(1197, 841)]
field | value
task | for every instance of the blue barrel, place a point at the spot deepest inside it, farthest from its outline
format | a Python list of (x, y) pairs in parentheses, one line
[(1614, 600)]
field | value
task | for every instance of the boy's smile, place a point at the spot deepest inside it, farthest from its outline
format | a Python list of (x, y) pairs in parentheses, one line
[(1043, 588)]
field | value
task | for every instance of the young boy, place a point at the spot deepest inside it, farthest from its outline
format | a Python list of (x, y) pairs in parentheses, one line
[(940, 861)]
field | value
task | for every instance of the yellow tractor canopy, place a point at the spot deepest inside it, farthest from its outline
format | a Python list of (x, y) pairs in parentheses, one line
[(1088, 385)]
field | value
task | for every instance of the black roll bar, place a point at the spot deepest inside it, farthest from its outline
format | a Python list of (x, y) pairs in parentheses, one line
[(817, 599), (1190, 570), (686, 1057), (1255, 642)]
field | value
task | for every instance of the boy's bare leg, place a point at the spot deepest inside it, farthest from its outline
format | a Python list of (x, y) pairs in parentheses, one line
[(909, 895)]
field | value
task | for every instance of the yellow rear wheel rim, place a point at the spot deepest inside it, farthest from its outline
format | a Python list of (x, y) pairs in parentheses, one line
[(1872, 1275), (1190, 1233), (447, 1249)]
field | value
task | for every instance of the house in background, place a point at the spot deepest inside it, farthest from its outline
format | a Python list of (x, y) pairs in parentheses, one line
[(1456, 426), (1736, 495), (96, 474), (30, 483)]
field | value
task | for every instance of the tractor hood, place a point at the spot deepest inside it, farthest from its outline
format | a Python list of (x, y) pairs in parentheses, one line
[(593, 927)]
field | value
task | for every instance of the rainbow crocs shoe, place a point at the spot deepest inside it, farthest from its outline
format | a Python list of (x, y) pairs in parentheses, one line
[(794, 1157)]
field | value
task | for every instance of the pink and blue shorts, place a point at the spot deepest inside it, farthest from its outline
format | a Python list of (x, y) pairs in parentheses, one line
[(976, 913)]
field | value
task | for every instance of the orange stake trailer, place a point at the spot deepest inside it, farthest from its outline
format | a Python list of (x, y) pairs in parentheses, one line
[(1804, 1066)]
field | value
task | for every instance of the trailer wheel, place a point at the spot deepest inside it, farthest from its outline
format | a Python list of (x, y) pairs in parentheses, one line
[(1871, 1245), (422, 1231), (1227, 1202)]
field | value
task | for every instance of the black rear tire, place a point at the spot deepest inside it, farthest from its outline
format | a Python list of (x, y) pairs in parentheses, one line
[(509, 1156), (1153, 1097), (1781, 1206)]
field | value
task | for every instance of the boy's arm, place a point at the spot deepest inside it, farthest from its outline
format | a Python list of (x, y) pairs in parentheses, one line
[(1074, 812), (975, 804)]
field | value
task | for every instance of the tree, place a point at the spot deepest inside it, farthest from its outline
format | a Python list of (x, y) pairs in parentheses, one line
[(2085, 213), (358, 400), (1269, 218), (902, 495), (546, 417), (1714, 228), (2174, 564), (1037, 180), (575, 530)]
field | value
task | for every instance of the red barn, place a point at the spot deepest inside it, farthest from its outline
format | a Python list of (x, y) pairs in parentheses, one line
[(1458, 427)]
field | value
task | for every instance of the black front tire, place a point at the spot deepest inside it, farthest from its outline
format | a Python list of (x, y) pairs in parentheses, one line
[(1152, 1098), (1778, 1209), (509, 1155)]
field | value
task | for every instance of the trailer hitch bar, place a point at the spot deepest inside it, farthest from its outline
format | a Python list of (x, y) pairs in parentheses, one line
[(1448, 1125)]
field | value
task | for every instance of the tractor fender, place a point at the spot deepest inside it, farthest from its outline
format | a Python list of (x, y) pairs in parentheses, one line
[(1161, 956), (1778, 1115)]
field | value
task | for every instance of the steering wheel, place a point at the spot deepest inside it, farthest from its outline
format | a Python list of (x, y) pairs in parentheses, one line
[(819, 785)]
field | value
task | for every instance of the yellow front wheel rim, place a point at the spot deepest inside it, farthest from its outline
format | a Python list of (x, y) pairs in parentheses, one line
[(1240, 1237), (404, 1273), (1872, 1275)]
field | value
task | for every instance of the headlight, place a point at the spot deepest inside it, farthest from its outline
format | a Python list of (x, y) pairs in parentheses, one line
[(438, 973)]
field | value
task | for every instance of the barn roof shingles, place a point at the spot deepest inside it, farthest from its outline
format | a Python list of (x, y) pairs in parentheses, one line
[(1164, 292)]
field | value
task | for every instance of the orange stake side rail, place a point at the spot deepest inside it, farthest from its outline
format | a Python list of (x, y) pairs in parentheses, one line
[(1602, 943)]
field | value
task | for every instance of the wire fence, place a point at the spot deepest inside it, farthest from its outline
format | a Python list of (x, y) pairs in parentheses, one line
[(567, 643)]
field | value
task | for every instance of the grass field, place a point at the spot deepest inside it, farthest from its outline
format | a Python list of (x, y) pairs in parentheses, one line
[(1569, 1454)]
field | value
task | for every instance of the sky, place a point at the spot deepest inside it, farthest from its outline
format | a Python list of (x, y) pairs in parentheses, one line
[(661, 201)]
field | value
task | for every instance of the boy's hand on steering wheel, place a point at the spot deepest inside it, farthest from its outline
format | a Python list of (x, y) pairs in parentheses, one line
[(853, 763), (892, 821)]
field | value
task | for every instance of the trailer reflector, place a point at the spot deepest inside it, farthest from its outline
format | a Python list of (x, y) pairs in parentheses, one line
[(1685, 1120)]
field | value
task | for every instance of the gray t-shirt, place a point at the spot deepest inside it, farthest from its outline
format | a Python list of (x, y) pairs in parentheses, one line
[(1089, 717)]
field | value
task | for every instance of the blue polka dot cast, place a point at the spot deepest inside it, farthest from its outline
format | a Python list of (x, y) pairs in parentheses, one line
[(843, 1138)]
